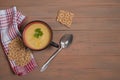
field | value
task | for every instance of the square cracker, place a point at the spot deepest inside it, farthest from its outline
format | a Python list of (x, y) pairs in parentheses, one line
[(65, 17), (18, 52)]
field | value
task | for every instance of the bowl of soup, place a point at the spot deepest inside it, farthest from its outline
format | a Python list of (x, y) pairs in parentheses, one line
[(37, 35)]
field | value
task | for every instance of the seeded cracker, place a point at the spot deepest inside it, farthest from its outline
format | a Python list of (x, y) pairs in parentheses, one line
[(18, 53), (65, 17)]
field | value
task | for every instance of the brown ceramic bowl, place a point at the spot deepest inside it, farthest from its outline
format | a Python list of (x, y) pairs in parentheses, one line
[(37, 35)]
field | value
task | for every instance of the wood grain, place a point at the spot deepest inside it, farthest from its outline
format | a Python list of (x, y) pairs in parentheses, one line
[(95, 51)]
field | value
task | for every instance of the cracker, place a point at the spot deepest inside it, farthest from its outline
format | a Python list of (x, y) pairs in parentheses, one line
[(18, 53), (65, 17)]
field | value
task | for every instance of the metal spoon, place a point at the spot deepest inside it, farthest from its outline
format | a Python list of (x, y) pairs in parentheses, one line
[(65, 41)]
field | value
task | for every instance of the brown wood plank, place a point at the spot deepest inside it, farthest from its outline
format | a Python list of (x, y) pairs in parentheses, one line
[(94, 67), (51, 12), (61, 2), (90, 36), (82, 24)]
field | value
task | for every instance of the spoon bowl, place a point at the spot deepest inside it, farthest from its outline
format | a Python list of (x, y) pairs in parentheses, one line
[(66, 40)]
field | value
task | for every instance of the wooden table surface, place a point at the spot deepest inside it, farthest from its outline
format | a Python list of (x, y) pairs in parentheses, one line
[(95, 51)]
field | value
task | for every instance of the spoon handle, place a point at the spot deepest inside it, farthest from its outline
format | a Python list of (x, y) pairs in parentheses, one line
[(44, 67)]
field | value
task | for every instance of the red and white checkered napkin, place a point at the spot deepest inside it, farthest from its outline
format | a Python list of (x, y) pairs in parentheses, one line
[(10, 19)]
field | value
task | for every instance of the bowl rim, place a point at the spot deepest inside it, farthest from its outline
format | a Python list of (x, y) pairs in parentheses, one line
[(38, 21)]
